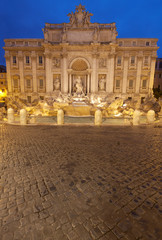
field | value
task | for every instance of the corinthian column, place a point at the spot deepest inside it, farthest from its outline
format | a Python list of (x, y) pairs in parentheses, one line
[(151, 82), (64, 79), (125, 74), (110, 79), (94, 80), (8, 66), (21, 70), (138, 78), (49, 79), (34, 72)]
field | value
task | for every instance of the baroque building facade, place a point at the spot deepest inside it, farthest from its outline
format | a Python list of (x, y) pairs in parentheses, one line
[(80, 57), (158, 74)]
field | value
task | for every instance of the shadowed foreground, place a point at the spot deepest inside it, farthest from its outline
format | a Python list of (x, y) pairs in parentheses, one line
[(80, 183)]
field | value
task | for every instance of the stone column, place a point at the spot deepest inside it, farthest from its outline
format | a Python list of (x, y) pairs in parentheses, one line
[(111, 69), (9, 80), (151, 82), (49, 78), (88, 83), (125, 74), (34, 72), (70, 83), (64, 78), (138, 78), (94, 80), (21, 70)]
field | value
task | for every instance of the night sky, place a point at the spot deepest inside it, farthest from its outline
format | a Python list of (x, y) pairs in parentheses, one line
[(134, 19)]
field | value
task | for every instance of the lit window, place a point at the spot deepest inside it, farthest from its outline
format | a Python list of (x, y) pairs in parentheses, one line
[(144, 84), (14, 59), (147, 43), (40, 60), (132, 60), (27, 60), (119, 61), (28, 83), (15, 83), (41, 83), (117, 84), (130, 84)]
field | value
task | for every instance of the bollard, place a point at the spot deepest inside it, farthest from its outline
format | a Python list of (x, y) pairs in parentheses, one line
[(23, 117), (10, 115), (98, 118), (150, 116), (136, 117), (60, 117)]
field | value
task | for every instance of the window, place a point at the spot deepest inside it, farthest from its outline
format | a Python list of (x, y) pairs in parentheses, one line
[(132, 60), (14, 59), (147, 43), (119, 61), (120, 43), (1, 75), (28, 83), (27, 60), (39, 43), (160, 65), (144, 84), (13, 43), (29, 99), (129, 98), (146, 60), (130, 84), (117, 84), (40, 60), (134, 43), (159, 75), (2, 83), (15, 83), (26, 43), (41, 83)]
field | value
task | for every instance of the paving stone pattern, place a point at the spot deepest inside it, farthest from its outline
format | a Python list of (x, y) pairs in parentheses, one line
[(80, 183)]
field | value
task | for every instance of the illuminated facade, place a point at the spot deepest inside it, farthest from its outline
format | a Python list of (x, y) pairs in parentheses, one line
[(3, 82), (158, 74), (80, 57)]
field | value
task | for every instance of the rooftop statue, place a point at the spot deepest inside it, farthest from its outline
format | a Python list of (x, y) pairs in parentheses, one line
[(80, 17)]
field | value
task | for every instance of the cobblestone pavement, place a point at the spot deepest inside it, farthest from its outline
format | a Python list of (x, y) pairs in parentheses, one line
[(80, 183)]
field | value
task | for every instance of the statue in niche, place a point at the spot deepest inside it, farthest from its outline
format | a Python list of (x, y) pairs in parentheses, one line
[(102, 83), (64, 35), (72, 17), (56, 62), (56, 84), (79, 85), (102, 63), (95, 35)]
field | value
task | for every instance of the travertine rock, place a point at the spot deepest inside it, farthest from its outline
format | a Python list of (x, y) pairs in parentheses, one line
[(136, 117)]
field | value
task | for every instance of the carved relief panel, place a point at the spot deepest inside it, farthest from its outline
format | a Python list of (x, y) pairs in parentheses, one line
[(56, 62), (102, 63)]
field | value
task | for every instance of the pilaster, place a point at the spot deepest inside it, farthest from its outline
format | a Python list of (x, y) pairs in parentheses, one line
[(49, 79), (34, 72), (9, 81), (152, 73), (110, 79), (64, 78), (21, 70), (125, 73), (94, 80), (138, 78)]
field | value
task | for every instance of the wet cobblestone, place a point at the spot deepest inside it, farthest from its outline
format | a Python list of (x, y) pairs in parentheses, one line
[(80, 183)]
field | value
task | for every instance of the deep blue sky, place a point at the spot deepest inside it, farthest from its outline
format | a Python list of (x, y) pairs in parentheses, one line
[(134, 19)]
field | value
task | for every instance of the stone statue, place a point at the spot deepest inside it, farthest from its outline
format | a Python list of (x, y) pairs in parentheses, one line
[(80, 17), (102, 82), (79, 86), (56, 84)]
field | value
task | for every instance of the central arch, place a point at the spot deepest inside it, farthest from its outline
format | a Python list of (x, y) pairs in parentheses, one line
[(79, 68)]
